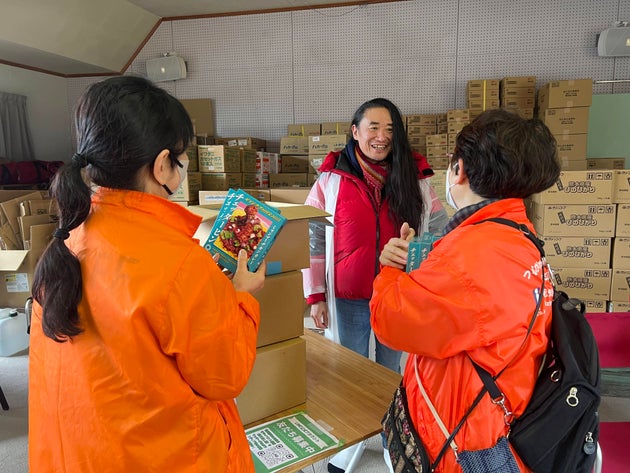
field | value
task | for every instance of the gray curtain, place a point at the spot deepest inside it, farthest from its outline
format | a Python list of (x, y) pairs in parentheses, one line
[(16, 143)]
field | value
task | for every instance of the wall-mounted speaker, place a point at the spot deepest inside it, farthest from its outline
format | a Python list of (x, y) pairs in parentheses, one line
[(166, 68), (614, 42)]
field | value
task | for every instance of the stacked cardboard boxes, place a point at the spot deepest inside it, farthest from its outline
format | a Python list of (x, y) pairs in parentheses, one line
[(318, 148), (620, 285), (564, 106), (576, 219), (278, 379), (266, 163), (418, 127), (26, 226), (482, 94), (518, 95)]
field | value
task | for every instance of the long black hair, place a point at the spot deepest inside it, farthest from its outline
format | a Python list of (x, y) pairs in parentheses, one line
[(122, 124), (401, 187)]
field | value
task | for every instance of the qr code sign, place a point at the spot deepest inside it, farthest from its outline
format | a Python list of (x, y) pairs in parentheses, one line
[(275, 455)]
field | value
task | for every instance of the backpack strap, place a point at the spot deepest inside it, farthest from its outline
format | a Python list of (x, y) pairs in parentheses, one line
[(488, 380)]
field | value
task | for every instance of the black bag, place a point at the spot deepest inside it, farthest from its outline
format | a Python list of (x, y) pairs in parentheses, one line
[(559, 430)]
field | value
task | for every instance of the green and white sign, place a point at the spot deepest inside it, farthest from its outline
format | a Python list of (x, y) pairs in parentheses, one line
[(288, 440)]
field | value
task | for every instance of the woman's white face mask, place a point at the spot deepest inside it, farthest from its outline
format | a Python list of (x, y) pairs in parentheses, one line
[(449, 196)]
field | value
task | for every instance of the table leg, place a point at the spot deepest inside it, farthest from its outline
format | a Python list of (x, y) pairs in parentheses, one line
[(356, 457)]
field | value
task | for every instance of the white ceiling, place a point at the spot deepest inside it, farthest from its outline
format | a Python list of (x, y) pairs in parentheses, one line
[(83, 37)]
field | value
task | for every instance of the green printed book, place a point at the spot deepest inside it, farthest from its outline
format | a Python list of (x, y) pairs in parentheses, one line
[(245, 223)]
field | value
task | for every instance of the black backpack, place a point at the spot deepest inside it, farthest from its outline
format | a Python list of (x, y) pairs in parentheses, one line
[(559, 430)]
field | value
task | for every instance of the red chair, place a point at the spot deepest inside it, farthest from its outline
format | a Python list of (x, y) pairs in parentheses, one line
[(612, 332)]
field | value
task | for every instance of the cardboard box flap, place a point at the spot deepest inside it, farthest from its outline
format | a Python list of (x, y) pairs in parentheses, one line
[(298, 211), (206, 212), (11, 260)]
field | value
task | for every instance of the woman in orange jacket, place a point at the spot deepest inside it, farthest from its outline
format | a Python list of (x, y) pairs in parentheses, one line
[(476, 292), (139, 342)]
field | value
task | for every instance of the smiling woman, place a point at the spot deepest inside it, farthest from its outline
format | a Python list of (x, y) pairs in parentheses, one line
[(370, 188)]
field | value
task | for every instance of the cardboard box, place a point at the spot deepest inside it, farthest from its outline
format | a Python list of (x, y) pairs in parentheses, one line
[(606, 163), (306, 129), (277, 381), (621, 186), (289, 196), (288, 179), (248, 159), (577, 252), (571, 147), (9, 219), (252, 180), (218, 158), (573, 220), (595, 305), (221, 181), (193, 158), (324, 144), (189, 190), (314, 162), (621, 253), (294, 145), (482, 94), (257, 144), (212, 197), (294, 163), (483, 84), (268, 162), (481, 105), (437, 151), (260, 194), (518, 102), (620, 285), (420, 119), (420, 130), (571, 121), (336, 128), (622, 228), (437, 140), (619, 306), (518, 81), (456, 127), (518, 92), (200, 110), (281, 308), (573, 164), (583, 283), (566, 93), (16, 271), (578, 187), (457, 115)]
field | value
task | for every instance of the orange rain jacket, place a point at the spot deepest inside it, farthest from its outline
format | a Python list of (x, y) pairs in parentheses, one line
[(167, 345), (475, 295)]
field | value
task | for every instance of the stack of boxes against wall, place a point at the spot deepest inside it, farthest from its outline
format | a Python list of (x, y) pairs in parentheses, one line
[(27, 221), (584, 220)]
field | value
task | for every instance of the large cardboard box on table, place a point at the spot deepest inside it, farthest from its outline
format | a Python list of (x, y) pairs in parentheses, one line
[(281, 308), (277, 381)]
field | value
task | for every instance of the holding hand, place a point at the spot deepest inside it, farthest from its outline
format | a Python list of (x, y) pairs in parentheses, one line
[(246, 281), (319, 314), (394, 253)]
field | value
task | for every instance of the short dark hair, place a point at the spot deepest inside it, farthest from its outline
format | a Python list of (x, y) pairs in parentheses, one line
[(505, 155)]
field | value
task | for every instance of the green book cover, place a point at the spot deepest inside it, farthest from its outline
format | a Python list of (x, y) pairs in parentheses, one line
[(245, 223)]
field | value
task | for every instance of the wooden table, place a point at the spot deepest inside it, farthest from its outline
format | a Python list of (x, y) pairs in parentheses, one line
[(346, 394)]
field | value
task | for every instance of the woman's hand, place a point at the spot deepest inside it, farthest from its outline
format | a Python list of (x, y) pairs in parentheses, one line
[(319, 314), (394, 253), (246, 281)]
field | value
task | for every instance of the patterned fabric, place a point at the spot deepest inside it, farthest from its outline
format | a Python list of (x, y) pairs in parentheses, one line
[(464, 213), (374, 174), (405, 447)]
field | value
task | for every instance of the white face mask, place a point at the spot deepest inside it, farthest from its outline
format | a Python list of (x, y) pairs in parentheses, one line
[(182, 173), (449, 196)]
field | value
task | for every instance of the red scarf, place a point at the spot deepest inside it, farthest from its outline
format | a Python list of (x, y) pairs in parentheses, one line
[(374, 174)]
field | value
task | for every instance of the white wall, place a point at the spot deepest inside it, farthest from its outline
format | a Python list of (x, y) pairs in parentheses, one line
[(48, 111)]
